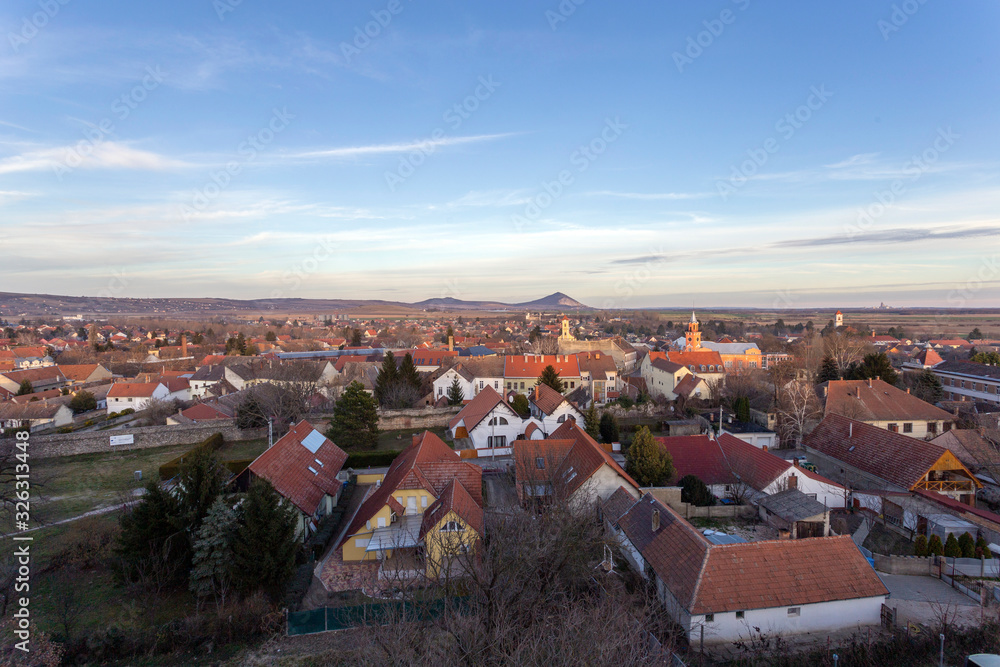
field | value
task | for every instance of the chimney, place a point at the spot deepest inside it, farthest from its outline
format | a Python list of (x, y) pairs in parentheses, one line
[(184, 346), (656, 520), (907, 390), (826, 390), (869, 383), (850, 430)]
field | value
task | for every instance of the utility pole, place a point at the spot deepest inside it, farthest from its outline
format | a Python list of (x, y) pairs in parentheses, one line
[(270, 432)]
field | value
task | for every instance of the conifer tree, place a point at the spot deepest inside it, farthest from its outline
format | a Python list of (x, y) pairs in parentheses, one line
[(387, 376), (213, 552), (455, 393), (355, 419), (408, 372), (264, 546), (647, 462), (551, 378)]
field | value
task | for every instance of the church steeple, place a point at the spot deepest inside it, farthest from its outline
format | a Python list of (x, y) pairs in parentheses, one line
[(693, 336)]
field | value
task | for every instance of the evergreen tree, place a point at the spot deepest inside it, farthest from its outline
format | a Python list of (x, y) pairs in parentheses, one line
[(250, 412), (356, 338), (741, 408), (920, 546), (25, 388), (270, 337), (609, 427), (951, 547), (200, 482), (695, 491), (152, 538), (934, 546), (551, 378), (212, 561), (388, 375), (264, 545), (646, 462), (976, 334), (967, 545), (408, 372), (520, 405), (924, 385), (874, 365), (455, 393), (991, 358), (982, 549), (592, 422), (83, 401), (828, 370), (355, 419)]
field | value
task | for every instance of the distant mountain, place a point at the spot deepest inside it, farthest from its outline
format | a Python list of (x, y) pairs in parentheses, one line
[(555, 300), (18, 305)]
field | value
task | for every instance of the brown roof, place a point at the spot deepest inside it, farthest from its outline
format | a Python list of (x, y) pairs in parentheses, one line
[(299, 474), (477, 409), (526, 453), (709, 578), (133, 389), (531, 366), (879, 402), (929, 357), (546, 398), (697, 358), (617, 504), (33, 375), (584, 459), (455, 498), (895, 458), (31, 410), (596, 363), (78, 372), (428, 463), (971, 448), (687, 386)]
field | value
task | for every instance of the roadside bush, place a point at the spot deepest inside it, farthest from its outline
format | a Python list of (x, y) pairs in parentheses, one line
[(982, 549), (967, 545), (934, 546), (920, 546), (951, 547)]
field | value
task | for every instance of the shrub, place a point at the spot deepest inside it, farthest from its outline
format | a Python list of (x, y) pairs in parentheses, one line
[(982, 550), (695, 491), (951, 548), (89, 422), (626, 402), (920, 546), (967, 545), (934, 546), (367, 459)]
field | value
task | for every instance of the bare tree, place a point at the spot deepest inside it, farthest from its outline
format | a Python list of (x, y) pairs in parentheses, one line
[(798, 408), (845, 349)]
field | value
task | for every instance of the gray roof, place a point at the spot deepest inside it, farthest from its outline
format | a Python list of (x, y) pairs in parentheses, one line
[(792, 505), (729, 348), (968, 368)]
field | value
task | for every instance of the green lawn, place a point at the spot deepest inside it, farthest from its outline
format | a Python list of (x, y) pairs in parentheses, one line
[(71, 485), (399, 440)]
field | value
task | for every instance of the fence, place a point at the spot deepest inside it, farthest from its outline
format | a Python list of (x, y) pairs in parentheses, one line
[(325, 619)]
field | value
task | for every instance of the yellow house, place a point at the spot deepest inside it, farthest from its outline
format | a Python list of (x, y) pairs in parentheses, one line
[(427, 510)]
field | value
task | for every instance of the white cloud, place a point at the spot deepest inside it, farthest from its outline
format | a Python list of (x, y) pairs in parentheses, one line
[(87, 155), (423, 145), (652, 196)]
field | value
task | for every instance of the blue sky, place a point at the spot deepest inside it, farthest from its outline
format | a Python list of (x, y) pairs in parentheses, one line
[(629, 154)]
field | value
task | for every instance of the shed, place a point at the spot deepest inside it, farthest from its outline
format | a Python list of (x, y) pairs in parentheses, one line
[(796, 513)]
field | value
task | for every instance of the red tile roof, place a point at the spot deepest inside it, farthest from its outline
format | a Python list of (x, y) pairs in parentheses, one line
[(478, 408), (78, 372), (585, 458), (697, 358), (722, 460), (546, 398), (133, 389), (879, 402), (455, 498), (35, 375), (531, 366), (895, 458), (286, 465), (428, 463)]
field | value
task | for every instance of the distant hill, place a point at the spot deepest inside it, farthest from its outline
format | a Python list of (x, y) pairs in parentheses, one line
[(14, 305)]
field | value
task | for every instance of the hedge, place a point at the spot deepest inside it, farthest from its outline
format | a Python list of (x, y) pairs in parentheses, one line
[(369, 459), (170, 469)]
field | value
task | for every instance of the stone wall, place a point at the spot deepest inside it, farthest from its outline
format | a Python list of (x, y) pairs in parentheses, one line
[(146, 437), (417, 418), (671, 496), (912, 565)]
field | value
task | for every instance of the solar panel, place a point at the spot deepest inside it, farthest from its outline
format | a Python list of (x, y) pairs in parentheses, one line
[(313, 441)]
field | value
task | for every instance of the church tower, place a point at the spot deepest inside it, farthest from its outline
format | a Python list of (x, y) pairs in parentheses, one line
[(838, 319), (566, 335), (693, 336)]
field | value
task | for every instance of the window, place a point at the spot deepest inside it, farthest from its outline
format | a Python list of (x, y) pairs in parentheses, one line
[(451, 527), (561, 419), (794, 611), (381, 522), (522, 385), (480, 384), (361, 542), (703, 369), (932, 427), (498, 421), (907, 428), (423, 501), (508, 385), (572, 385), (497, 441), (894, 428), (709, 618), (740, 614), (496, 384), (540, 463)]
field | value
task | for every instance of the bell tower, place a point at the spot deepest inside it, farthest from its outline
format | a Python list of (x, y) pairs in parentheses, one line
[(693, 335), (838, 319)]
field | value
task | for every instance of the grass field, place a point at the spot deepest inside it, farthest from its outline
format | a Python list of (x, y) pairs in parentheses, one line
[(72, 485), (399, 440)]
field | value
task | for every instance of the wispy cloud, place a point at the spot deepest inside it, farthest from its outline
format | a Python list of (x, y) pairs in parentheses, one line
[(425, 145), (102, 155), (652, 196), (895, 236)]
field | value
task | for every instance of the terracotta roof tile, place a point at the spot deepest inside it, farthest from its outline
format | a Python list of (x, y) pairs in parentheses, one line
[(881, 401)]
